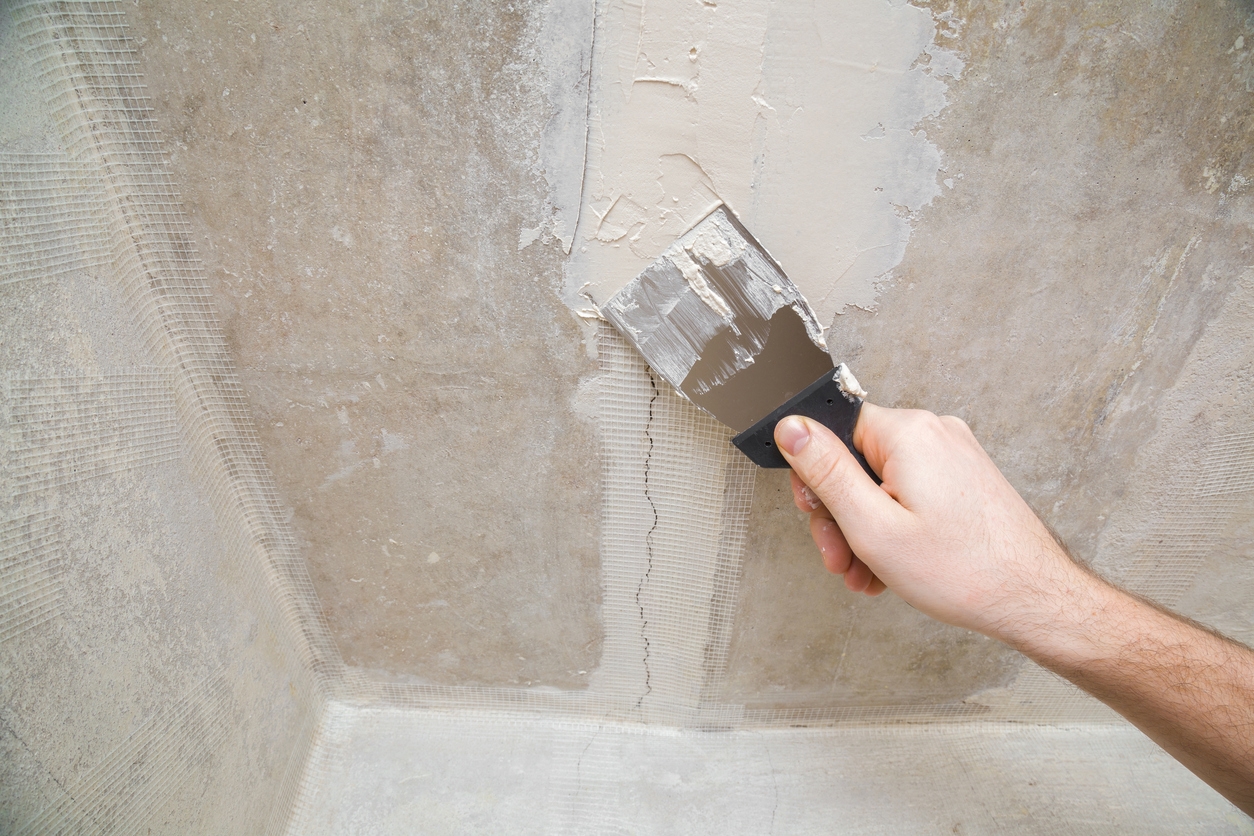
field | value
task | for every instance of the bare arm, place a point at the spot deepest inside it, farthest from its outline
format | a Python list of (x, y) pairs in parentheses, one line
[(949, 534)]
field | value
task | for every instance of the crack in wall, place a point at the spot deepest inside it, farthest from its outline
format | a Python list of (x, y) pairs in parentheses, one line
[(579, 764), (677, 498), (648, 539), (585, 77)]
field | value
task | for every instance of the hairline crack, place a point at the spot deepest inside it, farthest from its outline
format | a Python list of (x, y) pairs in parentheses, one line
[(648, 541)]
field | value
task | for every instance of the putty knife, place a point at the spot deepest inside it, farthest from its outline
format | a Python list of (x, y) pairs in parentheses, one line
[(719, 320)]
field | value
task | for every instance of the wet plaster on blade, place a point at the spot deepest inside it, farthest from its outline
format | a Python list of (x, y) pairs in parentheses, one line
[(707, 309), (802, 119), (378, 194), (849, 385)]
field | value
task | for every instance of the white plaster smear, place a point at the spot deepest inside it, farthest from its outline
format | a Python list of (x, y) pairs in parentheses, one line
[(802, 117)]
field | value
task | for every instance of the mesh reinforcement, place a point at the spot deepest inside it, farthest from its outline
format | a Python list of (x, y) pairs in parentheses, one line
[(101, 207)]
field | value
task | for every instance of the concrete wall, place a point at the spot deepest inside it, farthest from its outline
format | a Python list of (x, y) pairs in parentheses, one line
[(274, 522)]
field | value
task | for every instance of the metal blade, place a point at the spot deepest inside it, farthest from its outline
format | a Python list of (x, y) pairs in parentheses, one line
[(718, 319)]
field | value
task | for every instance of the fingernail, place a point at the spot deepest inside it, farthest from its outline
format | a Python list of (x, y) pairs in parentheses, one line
[(791, 435)]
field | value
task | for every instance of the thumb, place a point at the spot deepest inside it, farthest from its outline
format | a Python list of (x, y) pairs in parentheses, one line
[(860, 507)]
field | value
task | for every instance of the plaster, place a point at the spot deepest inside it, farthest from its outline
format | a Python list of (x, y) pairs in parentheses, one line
[(849, 385), (802, 118), (1053, 300)]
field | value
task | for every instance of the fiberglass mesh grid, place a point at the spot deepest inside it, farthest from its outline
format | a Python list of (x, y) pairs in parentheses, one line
[(49, 218), (1229, 466), (123, 790), (676, 502), (78, 426), (103, 206), (31, 562), (1188, 532), (92, 86)]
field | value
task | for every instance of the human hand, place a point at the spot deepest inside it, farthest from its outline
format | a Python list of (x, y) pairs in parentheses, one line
[(945, 530), (949, 534)]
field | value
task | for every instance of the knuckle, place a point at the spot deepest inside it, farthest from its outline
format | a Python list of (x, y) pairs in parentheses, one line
[(922, 420), (959, 427), (923, 425)]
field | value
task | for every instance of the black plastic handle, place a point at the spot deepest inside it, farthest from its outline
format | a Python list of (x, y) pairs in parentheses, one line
[(823, 401)]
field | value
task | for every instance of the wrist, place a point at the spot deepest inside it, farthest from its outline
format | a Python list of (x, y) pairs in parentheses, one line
[(1059, 619)]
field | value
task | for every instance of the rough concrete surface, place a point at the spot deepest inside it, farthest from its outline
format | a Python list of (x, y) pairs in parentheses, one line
[(358, 176)]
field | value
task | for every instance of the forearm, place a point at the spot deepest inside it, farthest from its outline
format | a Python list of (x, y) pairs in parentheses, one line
[(1186, 688)]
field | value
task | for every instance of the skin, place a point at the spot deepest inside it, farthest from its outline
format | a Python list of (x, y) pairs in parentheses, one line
[(951, 536)]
